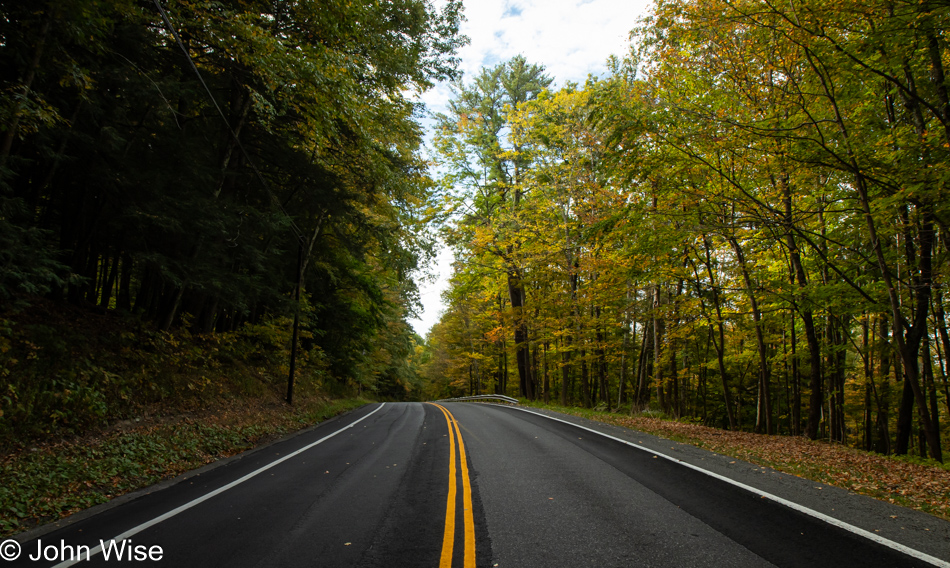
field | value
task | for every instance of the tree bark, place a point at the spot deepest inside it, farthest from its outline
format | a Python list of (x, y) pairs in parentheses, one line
[(763, 415), (109, 285), (941, 325), (905, 417), (811, 336), (643, 372), (585, 380), (565, 371), (796, 409), (516, 297), (659, 331), (547, 382), (908, 334), (721, 344)]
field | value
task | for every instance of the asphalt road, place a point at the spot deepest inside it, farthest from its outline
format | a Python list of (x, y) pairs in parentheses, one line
[(404, 485)]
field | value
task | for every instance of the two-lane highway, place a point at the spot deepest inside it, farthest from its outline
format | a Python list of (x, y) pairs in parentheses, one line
[(557, 495), (466, 485), (366, 489)]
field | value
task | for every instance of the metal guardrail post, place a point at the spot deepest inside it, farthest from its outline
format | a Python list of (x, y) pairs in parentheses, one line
[(477, 397)]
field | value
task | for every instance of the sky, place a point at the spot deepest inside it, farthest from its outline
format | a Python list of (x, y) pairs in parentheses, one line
[(571, 39)]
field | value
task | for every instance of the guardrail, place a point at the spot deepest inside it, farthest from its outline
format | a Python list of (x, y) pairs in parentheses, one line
[(481, 397)]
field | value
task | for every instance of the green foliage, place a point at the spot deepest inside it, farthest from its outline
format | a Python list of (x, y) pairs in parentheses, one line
[(28, 263), (720, 228), (64, 377), (123, 190)]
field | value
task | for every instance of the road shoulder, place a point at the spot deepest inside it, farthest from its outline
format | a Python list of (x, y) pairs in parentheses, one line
[(911, 528)]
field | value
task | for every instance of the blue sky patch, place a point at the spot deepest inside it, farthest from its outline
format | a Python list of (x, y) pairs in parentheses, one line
[(511, 11)]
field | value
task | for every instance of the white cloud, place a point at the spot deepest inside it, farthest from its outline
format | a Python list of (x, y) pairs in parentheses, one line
[(570, 38)]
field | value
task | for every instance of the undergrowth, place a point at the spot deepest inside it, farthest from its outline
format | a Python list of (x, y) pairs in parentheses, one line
[(94, 405), (65, 371)]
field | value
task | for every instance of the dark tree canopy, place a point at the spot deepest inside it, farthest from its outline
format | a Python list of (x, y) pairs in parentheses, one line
[(123, 188)]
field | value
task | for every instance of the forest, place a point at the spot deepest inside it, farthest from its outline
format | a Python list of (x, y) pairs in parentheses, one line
[(744, 224), (178, 170)]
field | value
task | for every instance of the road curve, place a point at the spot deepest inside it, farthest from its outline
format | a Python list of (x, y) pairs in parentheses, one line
[(461, 484)]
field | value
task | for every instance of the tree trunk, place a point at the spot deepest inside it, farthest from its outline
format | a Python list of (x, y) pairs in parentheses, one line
[(604, 394), (811, 336), (941, 330), (169, 318), (585, 381), (516, 297), (124, 300), (110, 283), (796, 409), (929, 382), (905, 418), (868, 383), (547, 382), (565, 368), (659, 330), (908, 334), (205, 323), (721, 344), (883, 445), (502, 351), (763, 414), (643, 384), (565, 371), (834, 418), (624, 360)]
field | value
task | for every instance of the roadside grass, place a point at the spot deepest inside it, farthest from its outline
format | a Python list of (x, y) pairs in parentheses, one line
[(904, 480), (46, 482)]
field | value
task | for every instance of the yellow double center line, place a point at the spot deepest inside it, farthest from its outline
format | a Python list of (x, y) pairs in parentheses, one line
[(448, 537)]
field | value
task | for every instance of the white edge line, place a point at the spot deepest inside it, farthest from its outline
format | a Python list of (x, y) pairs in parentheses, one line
[(790, 504), (133, 531)]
